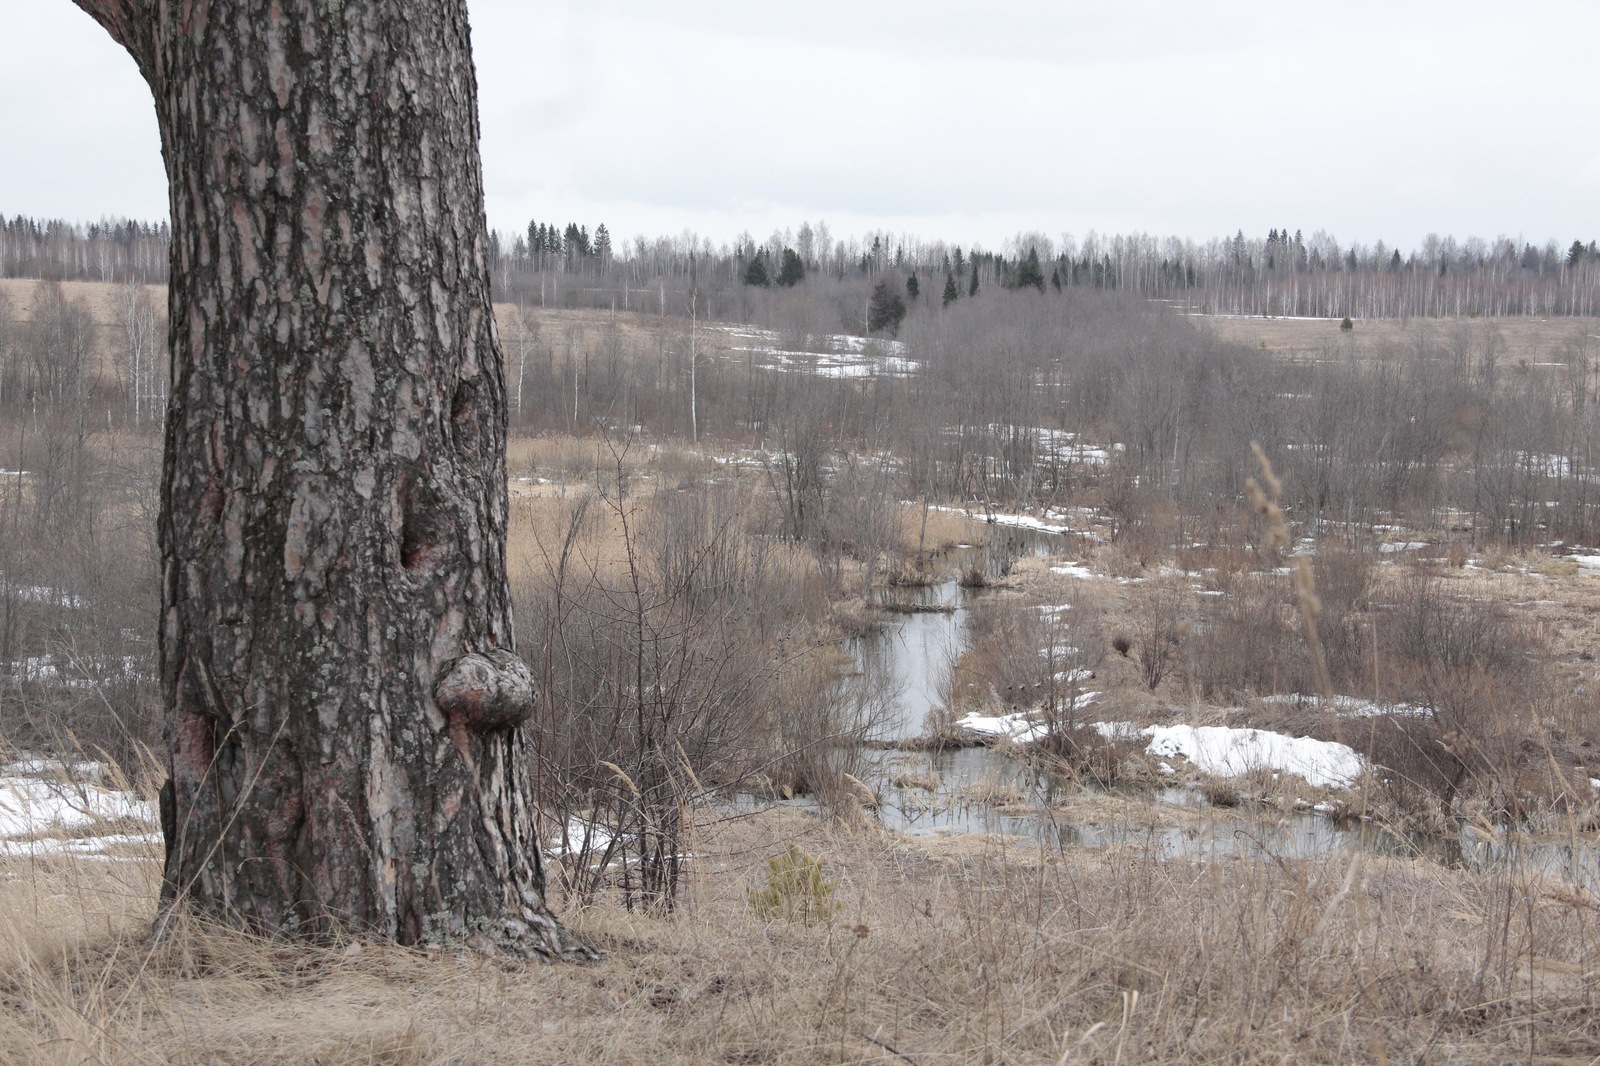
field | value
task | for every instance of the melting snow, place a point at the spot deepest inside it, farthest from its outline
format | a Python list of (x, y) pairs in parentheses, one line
[(40, 806), (1230, 752)]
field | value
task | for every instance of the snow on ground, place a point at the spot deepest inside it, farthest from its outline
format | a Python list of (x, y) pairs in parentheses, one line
[(1224, 751), (838, 355), (1229, 752), (1403, 546), (92, 847), (839, 366), (1353, 706), (46, 808), (45, 669), (1018, 727), (47, 595), (1073, 570), (1019, 521), (581, 836), (1021, 727)]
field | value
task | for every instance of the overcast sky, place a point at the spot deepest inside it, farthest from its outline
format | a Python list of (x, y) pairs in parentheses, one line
[(967, 120)]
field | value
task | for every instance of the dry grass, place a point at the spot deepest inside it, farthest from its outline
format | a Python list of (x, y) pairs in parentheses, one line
[(1534, 340), (941, 531), (973, 950)]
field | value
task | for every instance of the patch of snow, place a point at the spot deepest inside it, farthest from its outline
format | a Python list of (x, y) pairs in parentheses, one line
[(1353, 706), (1229, 752), (1018, 727), (35, 806), (1116, 730), (1073, 570), (581, 835), (47, 595), (1021, 727), (1020, 521), (1403, 546), (43, 669), (78, 847)]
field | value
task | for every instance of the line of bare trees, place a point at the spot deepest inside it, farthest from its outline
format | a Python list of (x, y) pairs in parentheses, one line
[(57, 359), (112, 249), (1279, 274)]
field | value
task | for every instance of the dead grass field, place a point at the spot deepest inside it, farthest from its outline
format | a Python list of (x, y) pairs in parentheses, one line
[(552, 328), (980, 949), (1536, 340)]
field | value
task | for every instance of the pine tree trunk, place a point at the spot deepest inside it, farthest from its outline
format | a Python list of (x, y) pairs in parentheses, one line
[(344, 711)]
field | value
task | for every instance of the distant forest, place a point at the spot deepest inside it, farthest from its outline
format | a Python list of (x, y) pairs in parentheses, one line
[(1282, 273)]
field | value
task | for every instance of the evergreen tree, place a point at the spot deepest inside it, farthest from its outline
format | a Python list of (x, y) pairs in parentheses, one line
[(1055, 278), (950, 290), (886, 310), (756, 272), (1029, 272), (913, 287), (793, 269), (972, 288), (602, 245), (961, 264), (1575, 253)]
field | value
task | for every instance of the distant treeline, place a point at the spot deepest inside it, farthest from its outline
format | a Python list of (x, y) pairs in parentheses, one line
[(1280, 274), (113, 249)]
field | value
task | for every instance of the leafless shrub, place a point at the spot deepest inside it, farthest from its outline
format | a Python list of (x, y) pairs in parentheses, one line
[(1162, 626), (1105, 761), (676, 660)]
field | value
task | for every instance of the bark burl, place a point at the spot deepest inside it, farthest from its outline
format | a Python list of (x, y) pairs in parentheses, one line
[(344, 711)]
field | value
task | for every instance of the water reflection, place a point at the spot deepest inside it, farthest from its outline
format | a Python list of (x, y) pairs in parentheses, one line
[(975, 790)]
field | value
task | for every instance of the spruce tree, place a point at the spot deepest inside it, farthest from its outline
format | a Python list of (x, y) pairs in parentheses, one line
[(793, 269), (756, 272), (972, 287), (1029, 272), (950, 290), (886, 310), (913, 287)]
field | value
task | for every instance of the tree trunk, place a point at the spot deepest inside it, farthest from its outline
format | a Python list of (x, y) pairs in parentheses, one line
[(344, 709)]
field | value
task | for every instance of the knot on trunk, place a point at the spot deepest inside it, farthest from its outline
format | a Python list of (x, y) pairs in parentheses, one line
[(486, 692)]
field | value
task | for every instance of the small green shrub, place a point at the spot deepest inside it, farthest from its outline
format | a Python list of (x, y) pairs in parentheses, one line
[(796, 890)]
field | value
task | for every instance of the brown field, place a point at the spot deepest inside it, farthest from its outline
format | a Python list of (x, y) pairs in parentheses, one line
[(1523, 341), (1535, 340), (924, 951)]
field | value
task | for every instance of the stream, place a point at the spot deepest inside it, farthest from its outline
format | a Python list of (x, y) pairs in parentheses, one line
[(910, 659)]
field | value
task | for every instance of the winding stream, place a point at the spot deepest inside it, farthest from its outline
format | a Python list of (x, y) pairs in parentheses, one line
[(912, 656)]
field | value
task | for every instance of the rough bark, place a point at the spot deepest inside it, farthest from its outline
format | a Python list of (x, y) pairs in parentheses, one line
[(344, 709)]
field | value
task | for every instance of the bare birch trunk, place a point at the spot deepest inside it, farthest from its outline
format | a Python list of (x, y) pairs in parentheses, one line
[(344, 709)]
